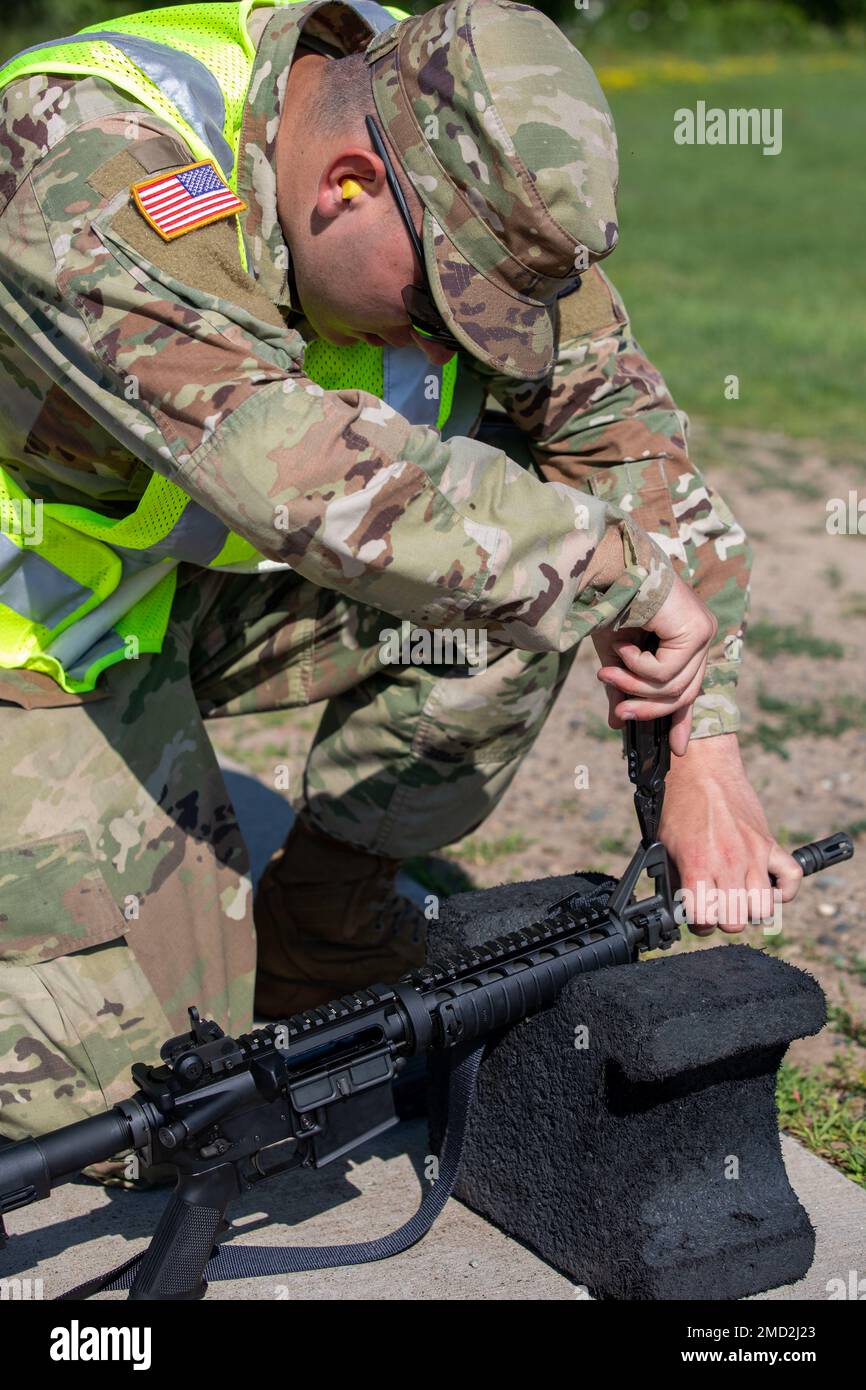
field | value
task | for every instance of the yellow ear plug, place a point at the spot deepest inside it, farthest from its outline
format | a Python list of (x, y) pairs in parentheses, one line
[(350, 188)]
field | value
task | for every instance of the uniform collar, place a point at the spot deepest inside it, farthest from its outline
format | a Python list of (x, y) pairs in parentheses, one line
[(328, 27)]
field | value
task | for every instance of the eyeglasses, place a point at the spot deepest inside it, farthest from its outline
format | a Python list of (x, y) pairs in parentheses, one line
[(419, 303)]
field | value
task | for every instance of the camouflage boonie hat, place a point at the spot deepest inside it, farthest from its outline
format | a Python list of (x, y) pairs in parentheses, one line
[(504, 132)]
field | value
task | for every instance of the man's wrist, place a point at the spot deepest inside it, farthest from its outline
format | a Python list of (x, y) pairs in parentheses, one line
[(720, 754)]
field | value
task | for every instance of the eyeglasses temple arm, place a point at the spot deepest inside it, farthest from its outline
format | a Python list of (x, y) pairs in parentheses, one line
[(379, 147)]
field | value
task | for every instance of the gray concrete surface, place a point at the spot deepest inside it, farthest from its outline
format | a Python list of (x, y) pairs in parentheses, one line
[(83, 1230)]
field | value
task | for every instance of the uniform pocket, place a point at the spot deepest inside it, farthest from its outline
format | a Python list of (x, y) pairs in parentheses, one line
[(643, 489), (54, 900)]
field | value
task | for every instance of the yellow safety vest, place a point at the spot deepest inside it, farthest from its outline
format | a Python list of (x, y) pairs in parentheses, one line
[(66, 606)]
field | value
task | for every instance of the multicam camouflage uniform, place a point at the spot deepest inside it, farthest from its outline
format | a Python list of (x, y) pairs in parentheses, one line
[(123, 876)]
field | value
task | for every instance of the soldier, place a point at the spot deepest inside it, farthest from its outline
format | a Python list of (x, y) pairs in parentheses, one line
[(259, 268)]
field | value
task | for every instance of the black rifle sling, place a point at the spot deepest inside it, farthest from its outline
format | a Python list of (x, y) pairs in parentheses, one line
[(253, 1261)]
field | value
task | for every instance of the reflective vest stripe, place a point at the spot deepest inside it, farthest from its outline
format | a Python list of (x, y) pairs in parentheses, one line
[(98, 655), (181, 79), (34, 588), (72, 644), (197, 537), (410, 389), (191, 88)]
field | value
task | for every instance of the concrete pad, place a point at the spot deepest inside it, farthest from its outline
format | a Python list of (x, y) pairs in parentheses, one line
[(83, 1230), (837, 1209)]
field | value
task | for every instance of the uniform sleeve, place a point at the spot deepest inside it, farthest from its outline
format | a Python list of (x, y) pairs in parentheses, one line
[(197, 376), (605, 422)]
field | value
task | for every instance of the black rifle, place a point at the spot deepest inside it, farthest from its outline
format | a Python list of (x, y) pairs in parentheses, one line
[(224, 1113)]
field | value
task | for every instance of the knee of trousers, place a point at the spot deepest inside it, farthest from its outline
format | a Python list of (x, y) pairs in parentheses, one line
[(427, 759), (70, 1030)]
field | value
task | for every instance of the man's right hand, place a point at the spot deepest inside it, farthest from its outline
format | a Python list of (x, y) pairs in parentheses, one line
[(645, 685)]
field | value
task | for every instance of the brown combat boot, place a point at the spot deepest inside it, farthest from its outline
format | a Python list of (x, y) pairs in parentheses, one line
[(328, 921)]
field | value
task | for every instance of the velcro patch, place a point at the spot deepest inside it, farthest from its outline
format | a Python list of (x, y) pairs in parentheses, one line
[(592, 308), (185, 198)]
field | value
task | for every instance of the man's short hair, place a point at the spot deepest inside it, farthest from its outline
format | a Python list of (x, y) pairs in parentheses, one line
[(344, 98)]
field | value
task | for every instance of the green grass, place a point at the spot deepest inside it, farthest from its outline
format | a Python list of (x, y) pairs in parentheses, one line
[(786, 836), (480, 852), (707, 28), (844, 1023), (779, 639), (598, 728), (733, 262), (833, 576), (439, 876), (615, 844), (795, 719), (826, 1111)]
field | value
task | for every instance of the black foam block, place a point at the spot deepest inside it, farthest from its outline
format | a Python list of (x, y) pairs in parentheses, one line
[(647, 1164)]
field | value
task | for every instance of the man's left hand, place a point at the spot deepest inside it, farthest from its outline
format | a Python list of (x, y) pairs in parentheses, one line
[(717, 835)]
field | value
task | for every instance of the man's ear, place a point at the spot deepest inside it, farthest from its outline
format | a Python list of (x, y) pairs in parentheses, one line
[(360, 169)]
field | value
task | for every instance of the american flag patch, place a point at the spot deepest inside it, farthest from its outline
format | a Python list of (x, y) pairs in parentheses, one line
[(185, 199)]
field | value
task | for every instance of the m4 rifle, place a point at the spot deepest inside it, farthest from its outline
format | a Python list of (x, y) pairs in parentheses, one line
[(221, 1113)]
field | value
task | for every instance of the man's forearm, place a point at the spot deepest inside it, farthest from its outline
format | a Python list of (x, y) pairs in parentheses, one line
[(442, 534)]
